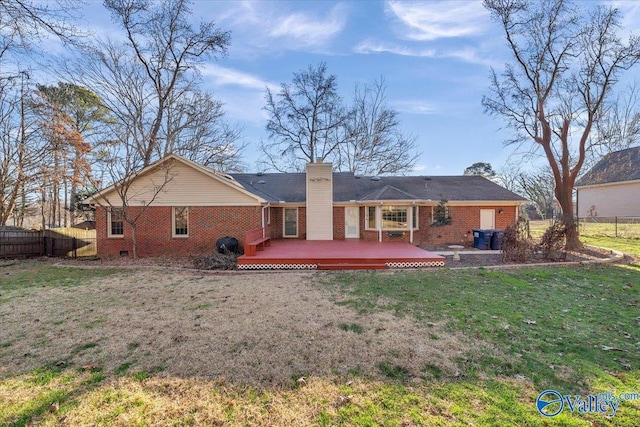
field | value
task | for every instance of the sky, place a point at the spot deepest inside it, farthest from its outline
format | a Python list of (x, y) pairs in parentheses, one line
[(435, 56)]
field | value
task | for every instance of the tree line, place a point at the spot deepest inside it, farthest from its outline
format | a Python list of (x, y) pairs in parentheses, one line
[(127, 100)]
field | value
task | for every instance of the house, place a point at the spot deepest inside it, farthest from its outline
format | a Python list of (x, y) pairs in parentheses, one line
[(612, 187), (185, 207)]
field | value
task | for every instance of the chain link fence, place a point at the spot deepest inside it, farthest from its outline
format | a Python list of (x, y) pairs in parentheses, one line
[(626, 227)]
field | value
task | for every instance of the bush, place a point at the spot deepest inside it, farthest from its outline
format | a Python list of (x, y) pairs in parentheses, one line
[(516, 245), (552, 243), (226, 261)]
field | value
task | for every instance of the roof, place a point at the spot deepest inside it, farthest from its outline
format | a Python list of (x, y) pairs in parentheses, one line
[(623, 165), (290, 187), (218, 176)]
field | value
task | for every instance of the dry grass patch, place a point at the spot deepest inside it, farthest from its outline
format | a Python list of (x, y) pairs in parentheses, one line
[(258, 329)]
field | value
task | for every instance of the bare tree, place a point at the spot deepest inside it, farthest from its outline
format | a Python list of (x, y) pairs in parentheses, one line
[(538, 186), (131, 201), (23, 21), (306, 120), (375, 143), (148, 75), (196, 129), (14, 157), (619, 128), (565, 65)]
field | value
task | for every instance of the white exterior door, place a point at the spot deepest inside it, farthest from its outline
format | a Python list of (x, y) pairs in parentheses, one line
[(351, 222), (487, 219)]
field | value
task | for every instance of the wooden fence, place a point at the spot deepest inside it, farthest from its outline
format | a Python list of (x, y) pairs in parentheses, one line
[(62, 242)]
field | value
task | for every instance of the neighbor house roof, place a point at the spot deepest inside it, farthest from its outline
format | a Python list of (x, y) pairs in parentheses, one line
[(290, 187), (618, 166)]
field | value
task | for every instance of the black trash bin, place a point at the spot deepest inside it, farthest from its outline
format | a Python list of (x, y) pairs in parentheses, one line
[(476, 237), (227, 244), (496, 239), (482, 239)]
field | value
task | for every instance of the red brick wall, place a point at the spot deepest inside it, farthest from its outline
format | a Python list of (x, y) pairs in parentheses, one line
[(463, 220), (208, 224), (275, 230), (338, 223), (154, 230)]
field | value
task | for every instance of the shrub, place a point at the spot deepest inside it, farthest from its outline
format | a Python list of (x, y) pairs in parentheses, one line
[(552, 243), (516, 245), (217, 261)]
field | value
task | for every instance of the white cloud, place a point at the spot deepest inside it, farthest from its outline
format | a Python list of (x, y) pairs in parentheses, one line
[(433, 20), (415, 107), (223, 76), (630, 21), (307, 30), (369, 46), (270, 26)]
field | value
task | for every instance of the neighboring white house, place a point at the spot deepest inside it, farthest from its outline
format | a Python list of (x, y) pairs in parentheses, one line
[(612, 187)]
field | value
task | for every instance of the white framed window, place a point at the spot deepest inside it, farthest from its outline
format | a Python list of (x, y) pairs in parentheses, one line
[(115, 222), (391, 217), (180, 221), (394, 218), (371, 220), (290, 223)]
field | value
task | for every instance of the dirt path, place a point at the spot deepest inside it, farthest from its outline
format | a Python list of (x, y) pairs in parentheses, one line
[(259, 329)]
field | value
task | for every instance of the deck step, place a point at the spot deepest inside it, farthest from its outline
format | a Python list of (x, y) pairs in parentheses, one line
[(351, 266)]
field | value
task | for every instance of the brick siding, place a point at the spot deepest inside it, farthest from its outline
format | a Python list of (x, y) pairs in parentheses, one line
[(154, 230), (208, 224)]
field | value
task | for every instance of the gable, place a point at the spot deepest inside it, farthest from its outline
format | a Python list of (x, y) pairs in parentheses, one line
[(182, 184)]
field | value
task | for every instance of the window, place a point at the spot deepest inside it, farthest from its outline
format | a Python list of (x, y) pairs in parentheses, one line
[(371, 218), (394, 217), (180, 221), (115, 221)]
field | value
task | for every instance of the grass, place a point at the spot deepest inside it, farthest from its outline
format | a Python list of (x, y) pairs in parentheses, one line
[(35, 274), (593, 229), (573, 329), (548, 325), (353, 327)]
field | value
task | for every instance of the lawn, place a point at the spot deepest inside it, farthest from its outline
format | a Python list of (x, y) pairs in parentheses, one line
[(442, 348)]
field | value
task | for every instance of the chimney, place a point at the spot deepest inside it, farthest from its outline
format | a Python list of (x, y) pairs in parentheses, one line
[(319, 181)]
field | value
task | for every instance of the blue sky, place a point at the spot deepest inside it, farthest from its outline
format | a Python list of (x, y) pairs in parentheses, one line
[(435, 57)]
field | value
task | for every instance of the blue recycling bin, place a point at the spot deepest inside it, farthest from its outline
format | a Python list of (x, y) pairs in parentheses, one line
[(496, 239), (482, 239)]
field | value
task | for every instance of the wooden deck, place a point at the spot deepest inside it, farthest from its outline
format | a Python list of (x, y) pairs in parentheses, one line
[(338, 255)]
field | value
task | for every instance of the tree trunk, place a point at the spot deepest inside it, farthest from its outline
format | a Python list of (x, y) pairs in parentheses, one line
[(134, 240), (566, 203)]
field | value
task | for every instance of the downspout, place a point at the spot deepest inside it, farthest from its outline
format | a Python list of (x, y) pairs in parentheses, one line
[(263, 221), (379, 223), (411, 222)]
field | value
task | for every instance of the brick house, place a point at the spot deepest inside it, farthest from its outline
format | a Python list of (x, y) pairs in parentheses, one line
[(185, 207)]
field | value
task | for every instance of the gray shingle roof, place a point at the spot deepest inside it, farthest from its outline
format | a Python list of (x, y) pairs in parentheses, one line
[(618, 166), (290, 187)]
